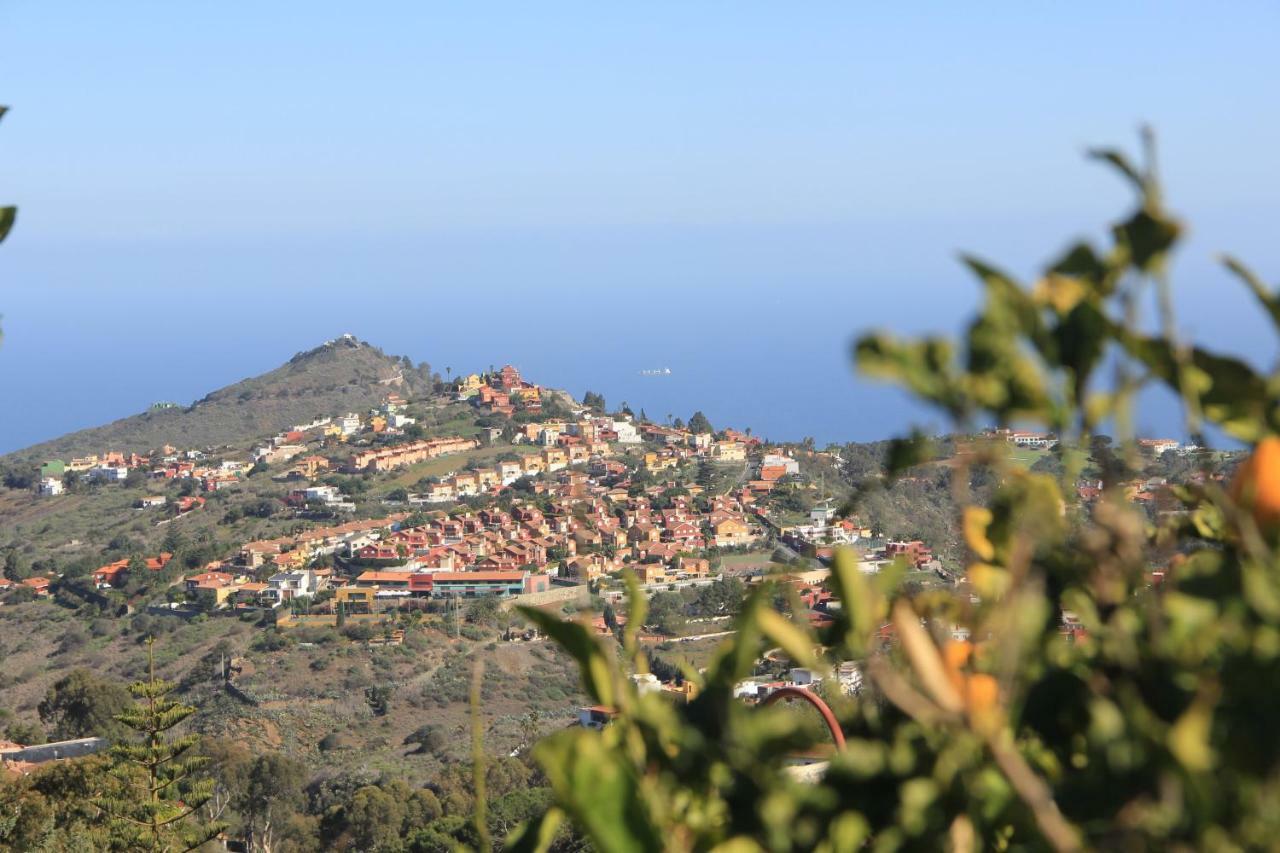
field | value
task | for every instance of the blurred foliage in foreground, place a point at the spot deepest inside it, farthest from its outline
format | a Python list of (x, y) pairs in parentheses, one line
[(1152, 728)]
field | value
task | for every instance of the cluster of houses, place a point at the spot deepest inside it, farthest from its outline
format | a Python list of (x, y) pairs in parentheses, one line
[(41, 585), (580, 537), (1046, 441), (679, 445), (500, 393), (166, 463), (410, 453)]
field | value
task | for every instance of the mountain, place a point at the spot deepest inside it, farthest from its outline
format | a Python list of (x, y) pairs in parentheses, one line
[(341, 375)]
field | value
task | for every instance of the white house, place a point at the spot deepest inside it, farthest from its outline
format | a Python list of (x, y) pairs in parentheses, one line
[(777, 460), (50, 486), (627, 432), (349, 424), (289, 585)]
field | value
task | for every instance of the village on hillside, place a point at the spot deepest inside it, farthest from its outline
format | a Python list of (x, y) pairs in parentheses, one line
[(500, 489)]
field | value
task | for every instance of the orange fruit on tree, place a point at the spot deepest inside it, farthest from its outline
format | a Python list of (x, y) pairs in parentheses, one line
[(1257, 483), (955, 654)]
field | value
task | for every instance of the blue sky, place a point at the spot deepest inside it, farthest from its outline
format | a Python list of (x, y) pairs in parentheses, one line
[(729, 189)]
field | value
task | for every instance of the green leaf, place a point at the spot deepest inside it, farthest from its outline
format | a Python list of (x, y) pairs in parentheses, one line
[(1081, 261), (599, 789), (1269, 299), (637, 610), (8, 215), (535, 836), (1122, 165), (926, 367), (861, 608), (1149, 237), (790, 637), (903, 454), (1231, 394), (597, 674), (1081, 339)]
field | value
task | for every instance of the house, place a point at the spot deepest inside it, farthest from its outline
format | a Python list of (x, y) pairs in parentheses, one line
[(694, 567), (626, 432), (112, 575), (554, 458), (287, 586), (729, 532), (354, 599), (348, 424), (381, 552), (915, 552), (1159, 446), (50, 486), (595, 716), (588, 567), (470, 386), (440, 493), (39, 585), (659, 461), (651, 573), (410, 453), (187, 504), (729, 451), (109, 474), (509, 377), (786, 464), (481, 583), (151, 501), (1032, 440), (213, 589)]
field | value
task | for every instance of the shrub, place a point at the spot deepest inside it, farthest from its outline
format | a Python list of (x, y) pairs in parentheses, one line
[(1102, 704)]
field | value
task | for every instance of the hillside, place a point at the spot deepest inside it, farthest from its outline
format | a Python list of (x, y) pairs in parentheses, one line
[(334, 377)]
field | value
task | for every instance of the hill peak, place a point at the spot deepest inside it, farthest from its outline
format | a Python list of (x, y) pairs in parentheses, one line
[(341, 375)]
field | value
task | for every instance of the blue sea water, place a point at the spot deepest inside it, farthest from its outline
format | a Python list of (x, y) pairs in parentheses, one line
[(754, 323)]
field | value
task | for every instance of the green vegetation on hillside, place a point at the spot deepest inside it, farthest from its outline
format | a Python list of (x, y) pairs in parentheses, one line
[(342, 375)]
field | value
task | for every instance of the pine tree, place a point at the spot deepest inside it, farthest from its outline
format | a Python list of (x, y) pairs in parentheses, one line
[(165, 791)]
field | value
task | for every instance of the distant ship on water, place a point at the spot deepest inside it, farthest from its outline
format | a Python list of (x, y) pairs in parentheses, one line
[(659, 371)]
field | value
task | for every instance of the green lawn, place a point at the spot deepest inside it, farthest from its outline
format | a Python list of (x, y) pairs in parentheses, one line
[(738, 562), (1026, 456), (439, 467)]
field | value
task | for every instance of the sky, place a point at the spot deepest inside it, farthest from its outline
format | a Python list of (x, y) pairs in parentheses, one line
[(730, 190)]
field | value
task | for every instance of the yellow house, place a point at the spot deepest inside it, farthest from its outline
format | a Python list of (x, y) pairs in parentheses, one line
[(730, 532), (554, 458), (655, 462), (470, 385), (647, 573), (730, 451), (354, 599)]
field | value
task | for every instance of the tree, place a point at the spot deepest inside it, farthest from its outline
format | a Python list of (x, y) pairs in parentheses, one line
[(273, 791), (378, 698), (427, 738), (699, 423), (26, 734), (374, 818), (82, 705), (165, 788), (592, 400)]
